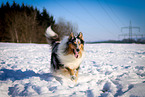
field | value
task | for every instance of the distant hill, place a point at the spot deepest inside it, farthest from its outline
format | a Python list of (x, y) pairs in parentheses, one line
[(139, 41)]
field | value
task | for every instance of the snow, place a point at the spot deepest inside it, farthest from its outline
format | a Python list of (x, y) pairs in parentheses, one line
[(107, 70)]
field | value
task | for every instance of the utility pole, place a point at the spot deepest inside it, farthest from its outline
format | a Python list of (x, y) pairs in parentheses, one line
[(130, 34)]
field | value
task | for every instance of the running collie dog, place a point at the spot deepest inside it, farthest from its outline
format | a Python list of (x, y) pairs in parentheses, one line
[(67, 54)]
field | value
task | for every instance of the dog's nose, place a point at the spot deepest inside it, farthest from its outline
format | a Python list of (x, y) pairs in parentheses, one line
[(73, 77), (77, 50)]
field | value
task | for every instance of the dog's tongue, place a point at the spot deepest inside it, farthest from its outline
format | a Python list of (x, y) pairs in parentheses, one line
[(76, 54)]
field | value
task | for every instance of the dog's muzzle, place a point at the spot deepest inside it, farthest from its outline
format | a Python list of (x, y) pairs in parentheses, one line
[(76, 52)]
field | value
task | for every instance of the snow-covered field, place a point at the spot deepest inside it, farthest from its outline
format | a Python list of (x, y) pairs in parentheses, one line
[(107, 70)]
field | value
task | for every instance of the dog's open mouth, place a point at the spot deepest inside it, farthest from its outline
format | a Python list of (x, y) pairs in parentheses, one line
[(76, 53)]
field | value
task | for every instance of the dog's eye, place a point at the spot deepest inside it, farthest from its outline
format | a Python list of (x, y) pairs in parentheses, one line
[(74, 43)]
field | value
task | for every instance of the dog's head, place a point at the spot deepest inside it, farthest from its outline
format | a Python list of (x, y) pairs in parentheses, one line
[(75, 45)]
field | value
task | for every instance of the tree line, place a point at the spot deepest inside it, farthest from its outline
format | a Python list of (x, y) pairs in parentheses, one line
[(26, 24)]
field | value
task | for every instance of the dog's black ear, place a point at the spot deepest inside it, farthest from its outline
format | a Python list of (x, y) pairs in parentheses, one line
[(71, 35), (80, 36)]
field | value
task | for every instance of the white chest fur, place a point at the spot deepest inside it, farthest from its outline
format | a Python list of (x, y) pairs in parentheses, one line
[(70, 60)]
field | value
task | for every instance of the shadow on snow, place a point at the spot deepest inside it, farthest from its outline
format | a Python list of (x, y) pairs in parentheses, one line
[(14, 75), (20, 75)]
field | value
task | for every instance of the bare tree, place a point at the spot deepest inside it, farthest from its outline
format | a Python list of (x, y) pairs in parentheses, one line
[(11, 20), (21, 26), (63, 28)]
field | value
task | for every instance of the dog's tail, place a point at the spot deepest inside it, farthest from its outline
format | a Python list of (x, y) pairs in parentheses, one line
[(51, 36)]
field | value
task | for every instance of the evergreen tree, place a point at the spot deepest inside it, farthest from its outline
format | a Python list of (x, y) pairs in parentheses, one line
[(22, 23), (26, 24)]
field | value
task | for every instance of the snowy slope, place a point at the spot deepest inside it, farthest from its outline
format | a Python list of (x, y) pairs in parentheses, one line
[(107, 70)]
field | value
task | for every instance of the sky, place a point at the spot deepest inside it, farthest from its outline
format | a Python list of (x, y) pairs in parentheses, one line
[(97, 19)]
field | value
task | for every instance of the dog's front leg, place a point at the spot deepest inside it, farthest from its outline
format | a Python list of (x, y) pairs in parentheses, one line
[(73, 73), (76, 74)]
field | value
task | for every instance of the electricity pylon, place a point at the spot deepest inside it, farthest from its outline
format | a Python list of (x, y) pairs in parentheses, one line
[(130, 34)]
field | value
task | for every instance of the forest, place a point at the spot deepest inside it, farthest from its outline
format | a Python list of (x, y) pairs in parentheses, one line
[(26, 24)]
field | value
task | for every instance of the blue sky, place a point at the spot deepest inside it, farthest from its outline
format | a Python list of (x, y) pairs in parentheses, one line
[(97, 19)]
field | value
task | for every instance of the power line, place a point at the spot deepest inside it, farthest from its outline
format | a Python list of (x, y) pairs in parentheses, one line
[(114, 13), (83, 20), (73, 15), (93, 17), (108, 14), (70, 12)]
